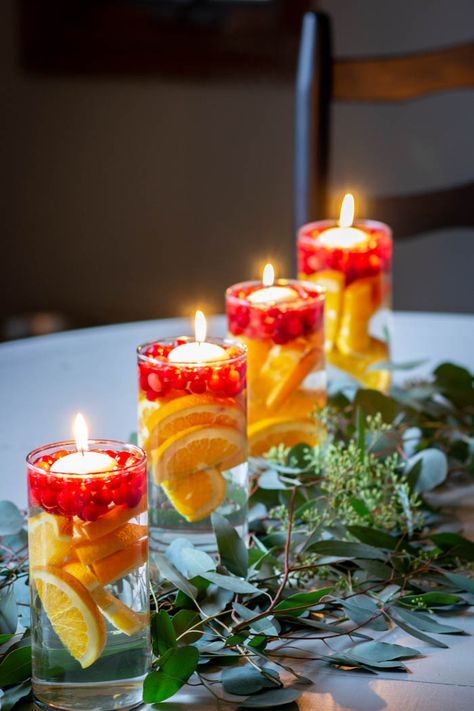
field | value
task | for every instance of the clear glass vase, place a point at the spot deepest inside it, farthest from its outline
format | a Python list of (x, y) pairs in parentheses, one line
[(285, 353), (88, 547), (192, 425), (358, 283)]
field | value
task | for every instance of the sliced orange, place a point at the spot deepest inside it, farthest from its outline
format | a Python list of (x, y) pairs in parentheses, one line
[(72, 612), (116, 612), (257, 352), (198, 494), (358, 365), (198, 448), (118, 565), (285, 369), (117, 516), (49, 539), (361, 300), (188, 411), (333, 282), (280, 430), (91, 551)]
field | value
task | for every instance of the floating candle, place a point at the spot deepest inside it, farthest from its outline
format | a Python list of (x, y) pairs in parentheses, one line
[(345, 236), (83, 461), (271, 294), (199, 351)]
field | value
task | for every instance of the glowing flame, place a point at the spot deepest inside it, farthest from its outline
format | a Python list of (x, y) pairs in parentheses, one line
[(346, 217), (81, 435), (268, 275), (200, 327)]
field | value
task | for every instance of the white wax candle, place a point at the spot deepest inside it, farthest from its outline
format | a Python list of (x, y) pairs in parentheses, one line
[(342, 237), (84, 463), (197, 352), (272, 295)]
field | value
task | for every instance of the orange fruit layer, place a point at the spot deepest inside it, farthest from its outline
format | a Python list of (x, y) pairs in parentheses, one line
[(114, 610), (49, 539), (333, 282), (122, 537), (198, 494), (188, 411), (117, 516), (280, 430), (285, 370), (361, 300), (72, 612), (198, 448), (119, 564), (358, 365)]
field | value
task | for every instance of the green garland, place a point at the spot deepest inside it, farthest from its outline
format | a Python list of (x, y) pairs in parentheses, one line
[(345, 542)]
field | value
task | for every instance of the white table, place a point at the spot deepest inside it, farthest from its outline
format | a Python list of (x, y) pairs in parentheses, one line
[(46, 380)]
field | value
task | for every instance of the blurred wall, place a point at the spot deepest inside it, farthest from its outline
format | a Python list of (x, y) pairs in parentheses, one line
[(124, 199)]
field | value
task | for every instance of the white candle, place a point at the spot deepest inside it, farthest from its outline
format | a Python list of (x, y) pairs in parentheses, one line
[(345, 236), (83, 461), (271, 294), (198, 351)]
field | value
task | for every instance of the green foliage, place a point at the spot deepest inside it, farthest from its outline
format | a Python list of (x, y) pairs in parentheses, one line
[(344, 545)]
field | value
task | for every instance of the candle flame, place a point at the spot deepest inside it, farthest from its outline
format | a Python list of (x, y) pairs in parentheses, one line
[(268, 275), (346, 217), (81, 434), (200, 327)]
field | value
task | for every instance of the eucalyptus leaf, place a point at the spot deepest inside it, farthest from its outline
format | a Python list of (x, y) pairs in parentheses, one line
[(373, 402), (426, 623), (11, 518), (168, 571), (369, 652), (274, 697), (182, 622), (231, 583), (434, 469), (175, 668), (347, 550), (430, 599), (215, 599), (270, 479), (15, 667), (265, 625), (13, 694), (231, 547), (8, 610), (187, 559), (361, 608), (394, 367), (414, 631), (248, 680), (460, 581), (374, 537), (162, 632), (454, 543), (304, 600)]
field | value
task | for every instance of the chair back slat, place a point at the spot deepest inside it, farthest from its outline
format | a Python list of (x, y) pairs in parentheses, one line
[(402, 78)]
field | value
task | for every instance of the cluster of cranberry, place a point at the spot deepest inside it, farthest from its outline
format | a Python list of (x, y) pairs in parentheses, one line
[(87, 497), (280, 323), (159, 377), (354, 264)]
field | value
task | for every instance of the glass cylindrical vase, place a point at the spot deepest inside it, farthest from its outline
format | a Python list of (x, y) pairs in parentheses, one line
[(192, 425), (358, 282), (285, 353), (88, 546)]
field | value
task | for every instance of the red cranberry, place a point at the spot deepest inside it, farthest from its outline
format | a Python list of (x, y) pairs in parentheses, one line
[(91, 511), (103, 497)]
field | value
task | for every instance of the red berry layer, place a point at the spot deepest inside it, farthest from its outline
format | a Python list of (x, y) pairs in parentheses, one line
[(355, 263), (280, 323), (88, 497), (158, 377)]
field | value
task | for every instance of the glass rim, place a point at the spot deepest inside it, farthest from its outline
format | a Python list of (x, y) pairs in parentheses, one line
[(296, 303), (134, 449), (323, 225), (218, 341)]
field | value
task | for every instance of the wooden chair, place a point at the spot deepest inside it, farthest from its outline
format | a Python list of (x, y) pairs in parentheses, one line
[(320, 79)]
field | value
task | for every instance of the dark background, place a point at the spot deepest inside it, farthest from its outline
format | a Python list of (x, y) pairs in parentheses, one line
[(126, 195)]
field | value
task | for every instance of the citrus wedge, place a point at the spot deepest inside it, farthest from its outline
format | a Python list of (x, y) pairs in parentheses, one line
[(90, 551), (361, 300), (113, 567), (114, 610), (189, 411), (358, 365), (279, 430), (285, 369), (49, 539), (72, 612), (333, 282), (198, 448), (117, 516), (198, 494)]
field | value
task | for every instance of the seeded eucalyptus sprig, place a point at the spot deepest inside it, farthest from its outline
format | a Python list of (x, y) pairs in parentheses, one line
[(344, 544)]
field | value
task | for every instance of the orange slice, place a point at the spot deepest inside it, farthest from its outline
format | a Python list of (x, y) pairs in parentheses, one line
[(358, 365), (280, 430), (198, 448), (198, 494), (333, 282), (49, 539), (114, 610), (361, 300), (257, 352), (118, 565), (72, 612), (117, 516), (188, 411), (285, 369), (91, 551)]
